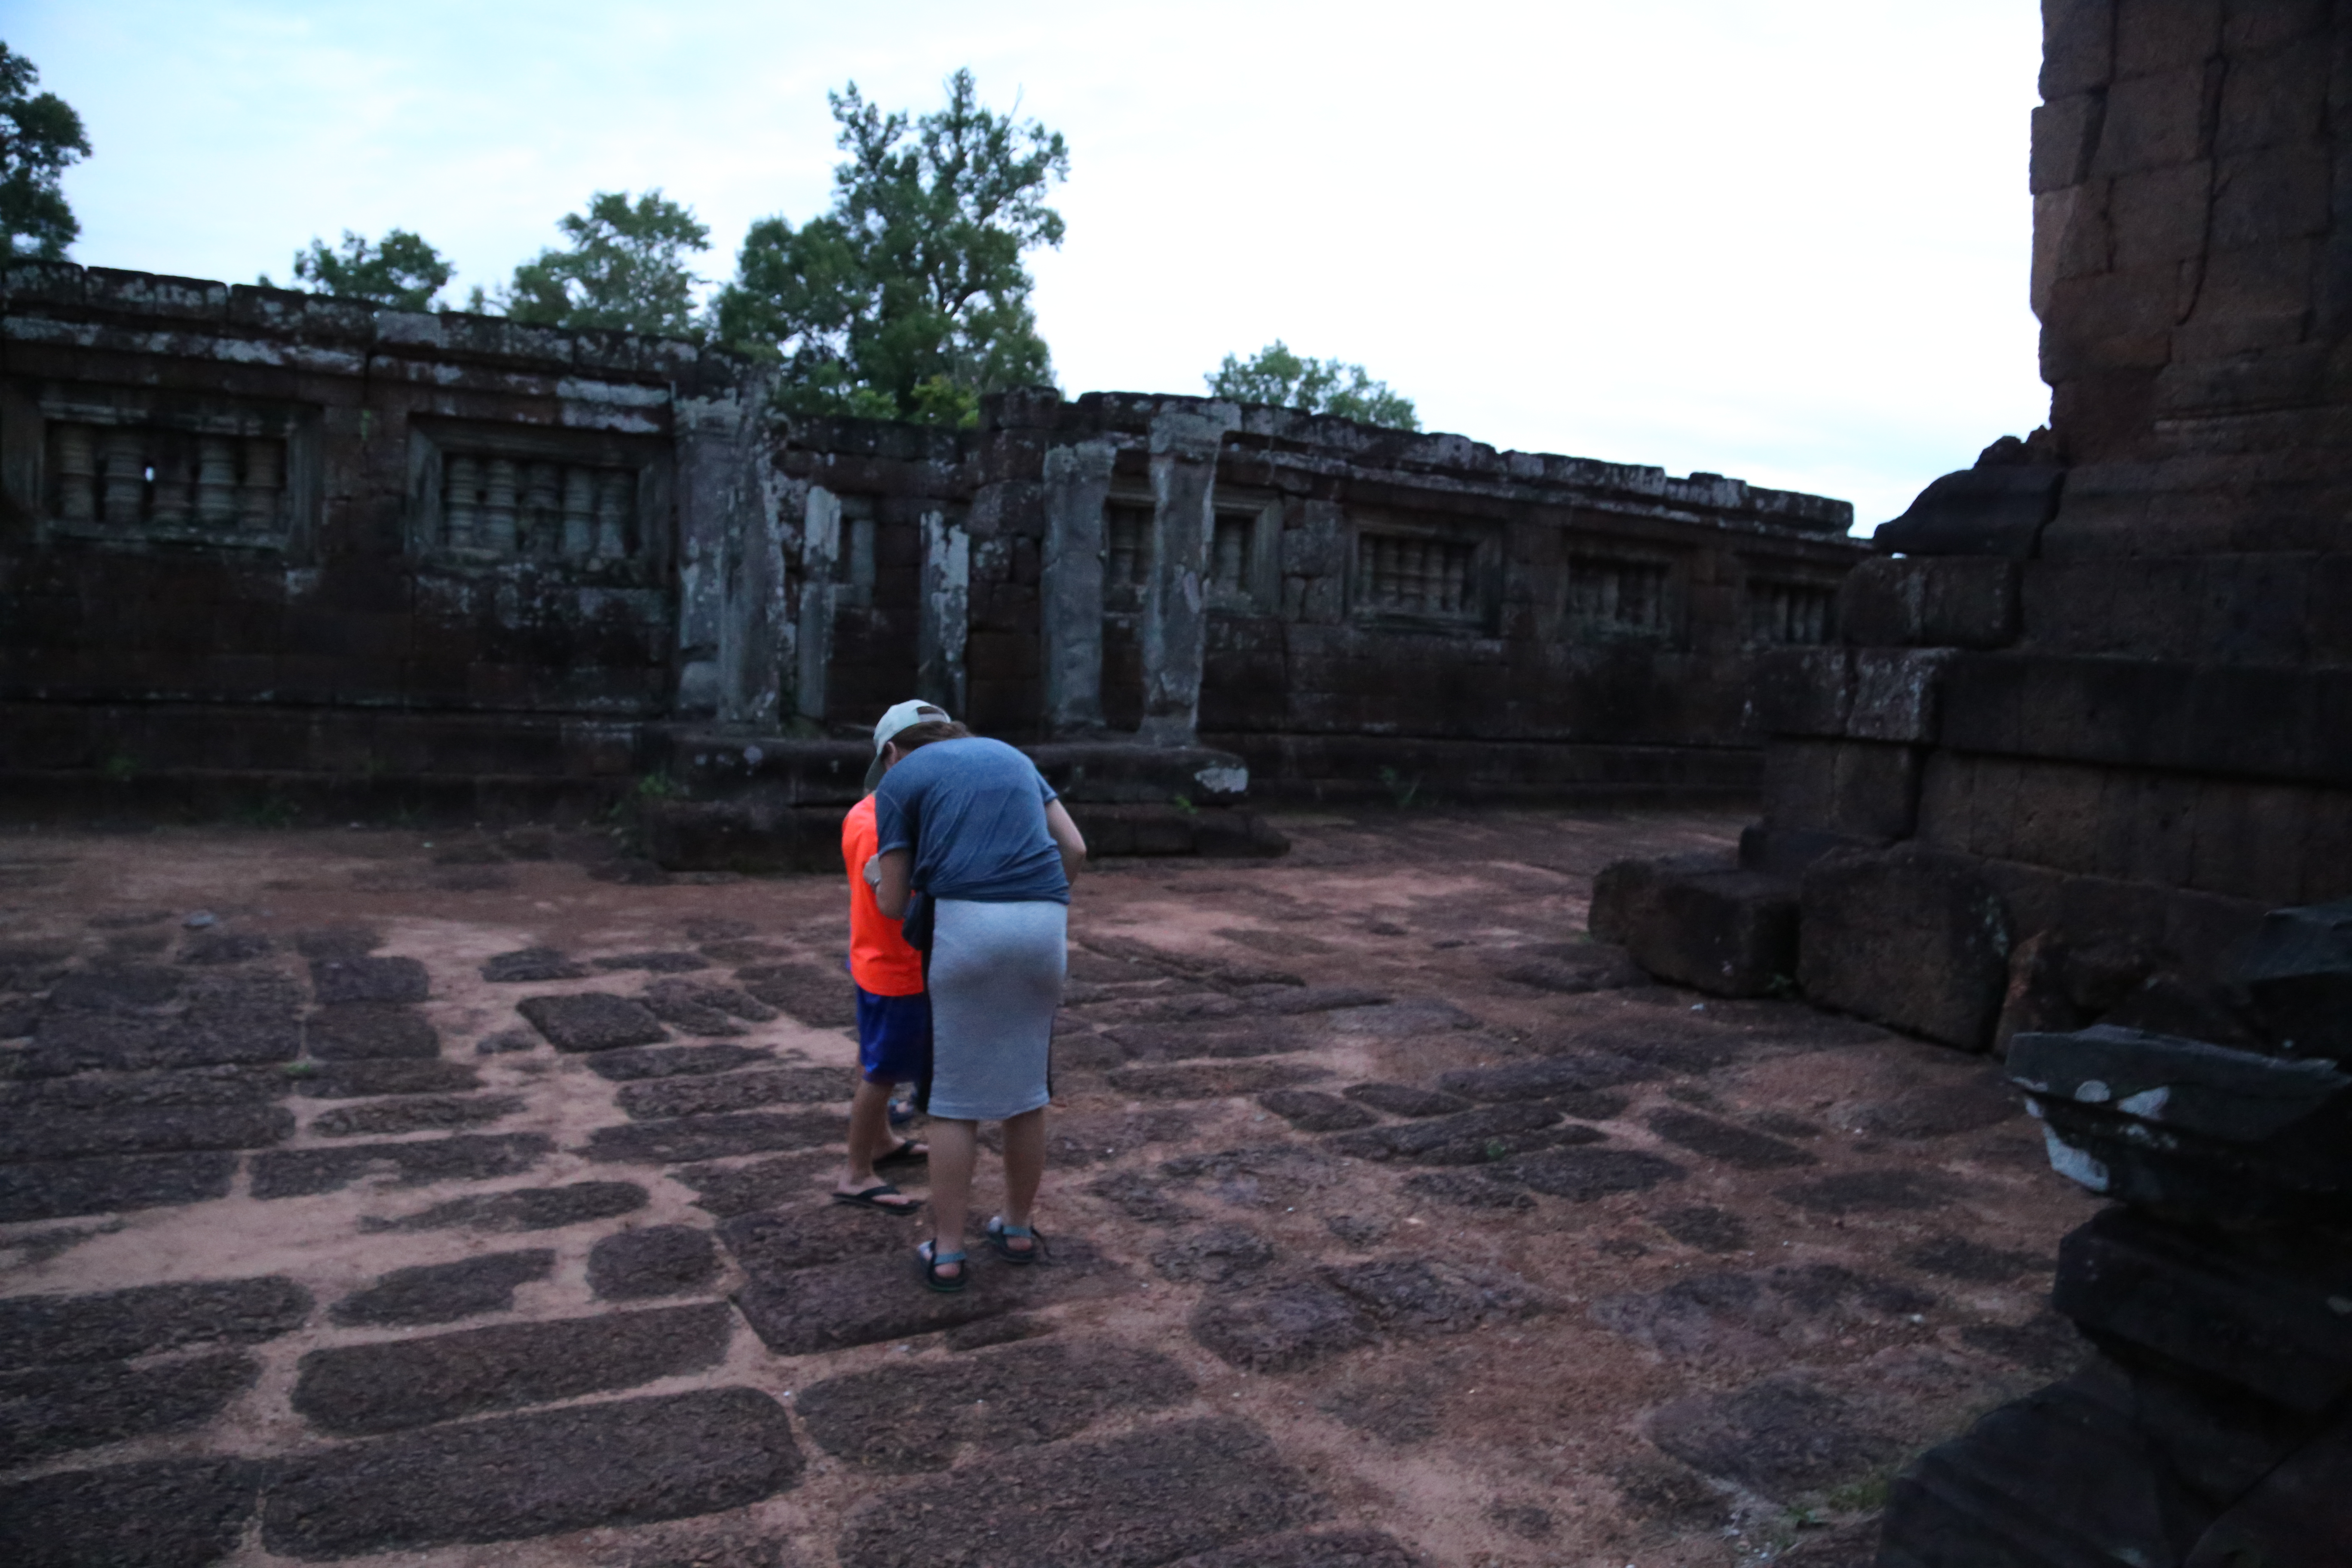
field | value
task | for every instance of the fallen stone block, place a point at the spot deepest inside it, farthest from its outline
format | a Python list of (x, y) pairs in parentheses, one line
[(627, 1462), (1133, 1502), (351, 1390), (169, 1513), (1909, 938), (2295, 973), (1725, 931), (118, 1325)]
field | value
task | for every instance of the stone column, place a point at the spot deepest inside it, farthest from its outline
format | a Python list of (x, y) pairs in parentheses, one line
[(730, 615), (1184, 445), (820, 547), (946, 614), (1078, 481)]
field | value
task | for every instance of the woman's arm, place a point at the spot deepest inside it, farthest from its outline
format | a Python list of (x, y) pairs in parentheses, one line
[(1066, 838), (889, 876)]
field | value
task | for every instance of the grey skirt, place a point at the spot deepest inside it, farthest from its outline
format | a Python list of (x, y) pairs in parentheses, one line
[(996, 980)]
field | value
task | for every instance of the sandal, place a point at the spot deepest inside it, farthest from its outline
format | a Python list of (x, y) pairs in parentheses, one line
[(907, 1152), (934, 1260), (872, 1198), (1002, 1236)]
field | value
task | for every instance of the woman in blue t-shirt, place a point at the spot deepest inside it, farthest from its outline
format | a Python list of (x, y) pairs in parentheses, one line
[(971, 825)]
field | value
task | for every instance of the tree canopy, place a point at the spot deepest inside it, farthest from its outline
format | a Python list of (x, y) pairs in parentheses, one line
[(626, 268), (39, 139), (404, 271), (907, 299), (1274, 374)]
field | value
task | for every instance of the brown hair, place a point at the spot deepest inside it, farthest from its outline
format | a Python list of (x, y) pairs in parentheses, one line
[(915, 736)]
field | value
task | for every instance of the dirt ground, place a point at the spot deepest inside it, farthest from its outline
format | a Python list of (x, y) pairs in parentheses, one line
[(1394, 1221)]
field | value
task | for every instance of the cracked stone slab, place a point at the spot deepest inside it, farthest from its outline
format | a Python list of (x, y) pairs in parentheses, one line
[(689, 1138), (623, 1462), (54, 1410), (659, 1260), (42, 1133), (355, 1390), (523, 1208), (1156, 1494), (416, 1113), (704, 1096), (369, 1031), (636, 1063), (68, 1187), (465, 1156), (592, 1021), (441, 1292), (115, 1325), (873, 1298), (171, 1513), (339, 981), (908, 1418)]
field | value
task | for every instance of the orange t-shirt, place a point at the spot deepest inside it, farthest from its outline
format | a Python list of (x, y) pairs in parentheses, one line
[(879, 959)]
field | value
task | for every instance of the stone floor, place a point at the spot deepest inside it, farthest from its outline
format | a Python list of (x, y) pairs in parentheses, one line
[(459, 1199)]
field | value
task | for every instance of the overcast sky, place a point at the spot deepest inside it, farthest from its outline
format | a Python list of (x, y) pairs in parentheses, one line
[(1782, 239)]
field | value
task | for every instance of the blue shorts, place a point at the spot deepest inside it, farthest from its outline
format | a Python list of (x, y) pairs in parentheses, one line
[(894, 1037)]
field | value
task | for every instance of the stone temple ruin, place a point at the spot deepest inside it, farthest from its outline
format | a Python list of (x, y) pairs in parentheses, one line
[(2056, 803)]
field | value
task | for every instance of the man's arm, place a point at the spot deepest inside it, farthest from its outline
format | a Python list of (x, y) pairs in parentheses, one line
[(890, 876), (1066, 838)]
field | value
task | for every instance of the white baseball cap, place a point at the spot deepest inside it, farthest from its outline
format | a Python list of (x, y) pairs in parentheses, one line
[(902, 716)]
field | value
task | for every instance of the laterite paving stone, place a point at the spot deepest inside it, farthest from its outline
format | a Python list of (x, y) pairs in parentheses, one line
[(623, 1462), (41, 1133), (880, 1297), (421, 1113), (1333, 1549), (467, 1156), (442, 1292), (339, 981), (659, 1260), (114, 1325), (592, 1021), (68, 1187), (56, 1409), (368, 1032), (701, 1096), (674, 1061), (523, 1208), (687, 1137), (174, 1513)]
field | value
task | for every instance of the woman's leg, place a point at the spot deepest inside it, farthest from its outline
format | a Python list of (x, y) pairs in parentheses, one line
[(954, 1148), (1024, 1167)]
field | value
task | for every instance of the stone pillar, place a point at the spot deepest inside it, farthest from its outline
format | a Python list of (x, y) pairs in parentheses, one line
[(731, 611), (1184, 447), (1078, 481), (946, 613), (820, 547)]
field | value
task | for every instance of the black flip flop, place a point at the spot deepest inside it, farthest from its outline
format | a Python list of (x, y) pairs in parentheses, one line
[(870, 1199), (906, 1153)]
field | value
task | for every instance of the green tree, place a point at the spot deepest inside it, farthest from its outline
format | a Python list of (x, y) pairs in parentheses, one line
[(1274, 374), (907, 299), (626, 268), (404, 272), (39, 139)]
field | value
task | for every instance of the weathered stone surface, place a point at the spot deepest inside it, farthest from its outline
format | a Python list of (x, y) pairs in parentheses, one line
[(592, 1021), (1547, 1077), (1141, 1199), (341, 982), (1280, 1327), (1708, 1228), (67, 1041), (1722, 931), (1469, 1189), (1988, 512), (465, 1156), (1406, 1099), (1930, 602), (351, 1390), (760, 1185), (442, 1292), (1417, 1297), (702, 1007), (1144, 1499), (1218, 1255), (671, 962), (702, 1096), (1221, 1040), (367, 1078), (1958, 1258), (1466, 1138), (169, 1513), (30, 1133), (1908, 938), (115, 1325), (1583, 1175), (659, 1260), (532, 964), (908, 1418), (1866, 1192), (633, 1063), (208, 1086), (226, 947), (1735, 1146), (1312, 1110), (337, 941), (1781, 1437), (1260, 1175), (416, 1113), (808, 1234), (1320, 1548), (98, 1187), (361, 1031), (1984, 1100), (819, 998), (524, 1208), (685, 1138), (54, 1410), (1210, 1080), (2296, 977), (878, 1297), (625, 1462)]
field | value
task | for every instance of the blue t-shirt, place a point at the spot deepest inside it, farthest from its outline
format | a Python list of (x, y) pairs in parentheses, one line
[(974, 814)]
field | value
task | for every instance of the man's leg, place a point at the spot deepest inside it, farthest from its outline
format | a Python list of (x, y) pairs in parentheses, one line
[(869, 1138), (1024, 1167), (954, 1148)]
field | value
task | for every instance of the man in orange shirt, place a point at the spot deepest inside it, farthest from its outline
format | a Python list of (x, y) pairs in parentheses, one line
[(894, 1023)]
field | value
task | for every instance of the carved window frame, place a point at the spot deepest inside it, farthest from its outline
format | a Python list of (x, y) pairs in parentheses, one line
[(1480, 613), (1256, 588), (434, 441), (1586, 557)]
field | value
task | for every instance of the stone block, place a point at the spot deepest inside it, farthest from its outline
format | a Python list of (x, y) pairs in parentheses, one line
[(1706, 925), (627, 1462), (368, 1031), (384, 980), (46, 1133), (147, 1319), (659, 1260), (1996, 512), (524, 1208), (1910, 938), (442, 1292), (1801, 691), (703, 1095), (352, 1390), (592, 1021), (685, 1138), (1849, 792), (1623, 889), (167, 1513), (465, 1156), (56, 1410), (60, 1188), (864, 1299), (1930, 601), (2296, 977), (2078, 47)]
